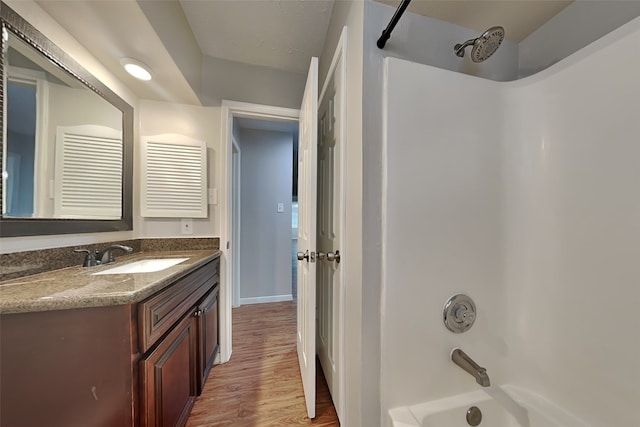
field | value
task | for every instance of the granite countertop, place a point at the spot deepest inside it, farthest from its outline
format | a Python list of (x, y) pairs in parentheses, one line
[(77, 287)]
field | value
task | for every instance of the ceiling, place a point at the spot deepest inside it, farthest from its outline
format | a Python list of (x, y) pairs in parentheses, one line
[(112, 30), (518, 17), (280, 34), (284, 34)]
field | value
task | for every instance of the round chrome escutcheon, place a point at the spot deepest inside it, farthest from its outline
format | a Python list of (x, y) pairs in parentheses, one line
[(459, 313)]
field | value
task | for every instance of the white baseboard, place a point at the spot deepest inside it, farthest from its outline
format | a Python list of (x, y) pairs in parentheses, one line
[(262, 300)]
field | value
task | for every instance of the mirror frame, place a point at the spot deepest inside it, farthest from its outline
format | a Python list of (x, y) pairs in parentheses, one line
[(13, 227)]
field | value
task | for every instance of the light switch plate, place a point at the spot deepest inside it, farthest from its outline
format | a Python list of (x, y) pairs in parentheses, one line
[(213, 196), (280, 207)]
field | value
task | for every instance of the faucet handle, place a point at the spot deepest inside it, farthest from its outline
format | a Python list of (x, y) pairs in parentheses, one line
[(89, 259), (459, 313), (105, 256)]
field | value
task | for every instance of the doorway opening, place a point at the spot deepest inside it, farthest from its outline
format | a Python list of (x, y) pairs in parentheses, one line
[(230, 178), (233, 112), (294, 246), (265, 231), (21, 149)]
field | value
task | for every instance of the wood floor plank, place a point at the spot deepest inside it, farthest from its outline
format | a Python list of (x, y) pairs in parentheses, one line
[(261, 386)]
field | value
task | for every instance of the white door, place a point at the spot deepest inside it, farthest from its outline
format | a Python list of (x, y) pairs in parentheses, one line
[(329, 225), (307, 193)]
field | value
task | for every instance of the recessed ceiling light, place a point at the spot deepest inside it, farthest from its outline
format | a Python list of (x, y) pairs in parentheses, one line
[(136, 68)]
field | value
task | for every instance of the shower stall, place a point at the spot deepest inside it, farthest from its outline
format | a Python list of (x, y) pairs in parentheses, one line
[(525, 196)]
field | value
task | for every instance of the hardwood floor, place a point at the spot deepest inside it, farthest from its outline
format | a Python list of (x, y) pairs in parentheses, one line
[(260, 386)]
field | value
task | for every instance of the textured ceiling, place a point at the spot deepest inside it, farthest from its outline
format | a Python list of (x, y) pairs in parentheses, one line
[(518, 17), (281, 34)]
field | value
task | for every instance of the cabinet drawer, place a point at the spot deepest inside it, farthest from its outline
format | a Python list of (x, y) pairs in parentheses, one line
[(160, 312)]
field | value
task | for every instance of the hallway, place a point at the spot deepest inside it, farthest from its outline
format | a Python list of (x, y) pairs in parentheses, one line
[(260, 386)]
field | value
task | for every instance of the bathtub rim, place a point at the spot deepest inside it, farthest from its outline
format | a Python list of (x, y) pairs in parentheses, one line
[(411, 415)]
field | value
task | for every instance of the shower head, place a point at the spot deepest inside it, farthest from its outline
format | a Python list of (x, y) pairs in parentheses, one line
[(483, 46)]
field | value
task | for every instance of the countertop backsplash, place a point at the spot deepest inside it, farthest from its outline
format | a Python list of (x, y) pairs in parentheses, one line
[(20, 264)]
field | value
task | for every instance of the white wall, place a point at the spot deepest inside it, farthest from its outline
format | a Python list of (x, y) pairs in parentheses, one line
[(265, 233), (30, 11), (424, 40), (201, 123), (430, 41), (442, 235), (573, 205), (530, 206), (236, 81), (579, 24)]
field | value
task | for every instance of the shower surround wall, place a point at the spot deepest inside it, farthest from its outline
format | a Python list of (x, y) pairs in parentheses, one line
[(523, 195)]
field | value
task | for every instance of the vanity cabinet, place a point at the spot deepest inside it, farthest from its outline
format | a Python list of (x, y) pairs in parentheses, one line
[(127, 365), (179, 335)]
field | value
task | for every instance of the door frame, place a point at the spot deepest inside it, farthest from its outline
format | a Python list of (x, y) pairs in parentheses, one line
[(236, 185), (231, 109), (41, 187)]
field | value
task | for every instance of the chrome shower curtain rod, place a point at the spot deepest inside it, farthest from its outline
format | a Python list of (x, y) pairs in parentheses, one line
[(386, 33)]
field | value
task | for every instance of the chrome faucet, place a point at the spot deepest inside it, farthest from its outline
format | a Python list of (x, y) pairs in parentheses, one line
[(89, 259), (461, 359), (105, 256)]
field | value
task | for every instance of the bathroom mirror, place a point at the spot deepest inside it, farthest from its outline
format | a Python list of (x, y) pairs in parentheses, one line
[(67, 141)]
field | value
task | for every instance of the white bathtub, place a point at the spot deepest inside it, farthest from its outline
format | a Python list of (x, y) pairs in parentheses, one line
[(451, 411)]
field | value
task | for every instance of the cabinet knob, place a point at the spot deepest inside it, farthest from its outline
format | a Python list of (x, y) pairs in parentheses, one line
[(197, 313)]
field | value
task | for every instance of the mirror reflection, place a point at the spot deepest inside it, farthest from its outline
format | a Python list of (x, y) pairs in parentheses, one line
[(63, 144)]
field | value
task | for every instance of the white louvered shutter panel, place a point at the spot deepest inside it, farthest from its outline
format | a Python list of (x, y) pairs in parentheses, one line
[(88, 172), (174, 177)]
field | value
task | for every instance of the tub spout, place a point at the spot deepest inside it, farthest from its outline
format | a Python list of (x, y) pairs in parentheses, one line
[(461, 359), (483, 378)]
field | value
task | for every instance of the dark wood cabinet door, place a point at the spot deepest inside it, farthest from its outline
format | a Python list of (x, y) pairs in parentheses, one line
[(169, 377), (68, 368), (208, 334)]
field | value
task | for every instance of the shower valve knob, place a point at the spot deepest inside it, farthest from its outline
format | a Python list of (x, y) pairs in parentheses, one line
[(459, 313)]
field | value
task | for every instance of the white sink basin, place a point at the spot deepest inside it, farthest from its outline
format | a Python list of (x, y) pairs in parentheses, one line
[(143, 266)]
